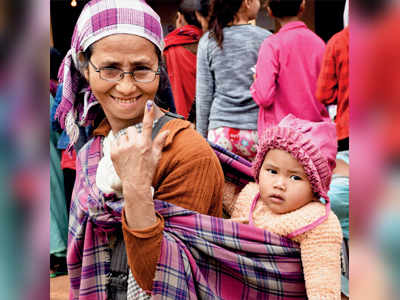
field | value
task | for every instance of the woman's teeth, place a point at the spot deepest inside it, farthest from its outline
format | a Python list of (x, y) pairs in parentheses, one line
[(123, 100)]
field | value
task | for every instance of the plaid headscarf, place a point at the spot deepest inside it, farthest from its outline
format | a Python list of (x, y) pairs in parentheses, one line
[(98, 19), (204, 257)]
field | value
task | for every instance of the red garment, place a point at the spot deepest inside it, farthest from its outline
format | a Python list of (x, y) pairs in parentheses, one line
[(68, 160), (181, 66), (333, 80), (380, 77)]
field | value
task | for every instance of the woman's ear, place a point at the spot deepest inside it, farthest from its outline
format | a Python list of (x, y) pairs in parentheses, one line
[(83, 66)]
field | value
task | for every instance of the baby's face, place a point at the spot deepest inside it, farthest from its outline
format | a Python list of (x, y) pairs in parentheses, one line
[(284, 186)]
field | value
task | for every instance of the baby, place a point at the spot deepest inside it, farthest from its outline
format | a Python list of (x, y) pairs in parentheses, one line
[(293, 169)]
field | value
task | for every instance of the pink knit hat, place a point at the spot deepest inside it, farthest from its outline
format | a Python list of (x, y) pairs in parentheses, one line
[(313, 144)]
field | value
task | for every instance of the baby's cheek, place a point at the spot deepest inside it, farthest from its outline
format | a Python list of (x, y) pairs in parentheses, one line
[(263, 192)]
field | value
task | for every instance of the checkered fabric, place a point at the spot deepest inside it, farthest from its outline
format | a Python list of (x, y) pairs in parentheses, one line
[(205, 257), (135, 292)]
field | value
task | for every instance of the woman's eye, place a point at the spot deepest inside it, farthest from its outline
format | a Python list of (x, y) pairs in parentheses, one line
[(141, 68), (109, 72), (271, 171), (295, 177)]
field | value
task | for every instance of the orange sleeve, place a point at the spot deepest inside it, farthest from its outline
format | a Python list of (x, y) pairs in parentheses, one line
[(189, 175), (320, 256), (143, 249)]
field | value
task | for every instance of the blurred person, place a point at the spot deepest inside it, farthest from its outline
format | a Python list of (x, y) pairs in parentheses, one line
[(59, 205), (293, 170), (287, 68), (225, 111), (385, 230), (380, 77), (180, 56), (375, 94), (24, 203), (333, 83), (121, 169), (55, 62), (202, 14), (378, 107), (68, 157), (58, 209), (339, 192)]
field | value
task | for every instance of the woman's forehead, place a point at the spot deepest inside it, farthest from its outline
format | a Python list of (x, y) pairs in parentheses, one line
[(127, 47), (124, 43)]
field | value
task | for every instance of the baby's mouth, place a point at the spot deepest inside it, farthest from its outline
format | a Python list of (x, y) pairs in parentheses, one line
[(276, 197)]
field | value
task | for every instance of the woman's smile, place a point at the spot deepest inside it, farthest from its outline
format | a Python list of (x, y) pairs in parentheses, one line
[(123, 100)]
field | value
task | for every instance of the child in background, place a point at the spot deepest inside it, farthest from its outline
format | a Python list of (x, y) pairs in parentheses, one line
[(225, 111), (180, 56), (333, 83), (293, 169), (202, 13), (288, 66)]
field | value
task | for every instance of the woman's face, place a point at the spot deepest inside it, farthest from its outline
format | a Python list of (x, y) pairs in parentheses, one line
[(123, 101)]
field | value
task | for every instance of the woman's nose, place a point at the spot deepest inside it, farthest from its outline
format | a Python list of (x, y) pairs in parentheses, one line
[(127, 85)]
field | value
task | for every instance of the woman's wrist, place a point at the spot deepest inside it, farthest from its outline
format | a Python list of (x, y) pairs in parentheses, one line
[(139, 206)]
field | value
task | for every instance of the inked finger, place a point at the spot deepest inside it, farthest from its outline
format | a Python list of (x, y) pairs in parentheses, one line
[(148, 119)]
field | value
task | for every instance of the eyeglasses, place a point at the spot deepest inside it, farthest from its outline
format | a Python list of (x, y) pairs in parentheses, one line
[(114, 74)]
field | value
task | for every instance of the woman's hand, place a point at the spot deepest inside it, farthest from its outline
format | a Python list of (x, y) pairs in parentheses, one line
[(135, 158)]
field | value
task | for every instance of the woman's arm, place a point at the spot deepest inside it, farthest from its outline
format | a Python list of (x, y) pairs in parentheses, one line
[(135, 158), (189, 175), (267, 70), (204, 88)]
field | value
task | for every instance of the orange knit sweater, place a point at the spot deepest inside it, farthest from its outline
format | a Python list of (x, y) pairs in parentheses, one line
[(188, 175), (320, 247)]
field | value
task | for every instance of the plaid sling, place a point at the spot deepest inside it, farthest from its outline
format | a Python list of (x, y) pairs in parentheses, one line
[(204, 257)]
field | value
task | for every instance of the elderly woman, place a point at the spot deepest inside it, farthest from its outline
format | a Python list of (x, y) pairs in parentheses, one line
[(115, 61)]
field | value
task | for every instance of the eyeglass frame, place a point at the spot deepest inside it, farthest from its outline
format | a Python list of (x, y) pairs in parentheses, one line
[(122, 74)]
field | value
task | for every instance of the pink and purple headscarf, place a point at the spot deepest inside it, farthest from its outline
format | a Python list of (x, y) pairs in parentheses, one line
[(98, 19)]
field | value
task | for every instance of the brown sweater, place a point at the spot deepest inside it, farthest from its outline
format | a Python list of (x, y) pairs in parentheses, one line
[(188, 175)]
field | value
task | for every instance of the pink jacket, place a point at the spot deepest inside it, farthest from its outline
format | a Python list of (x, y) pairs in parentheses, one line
[(288, 66)]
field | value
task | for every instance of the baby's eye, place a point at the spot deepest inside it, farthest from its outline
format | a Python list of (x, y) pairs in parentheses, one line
[(272, 171), (295, 177)]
